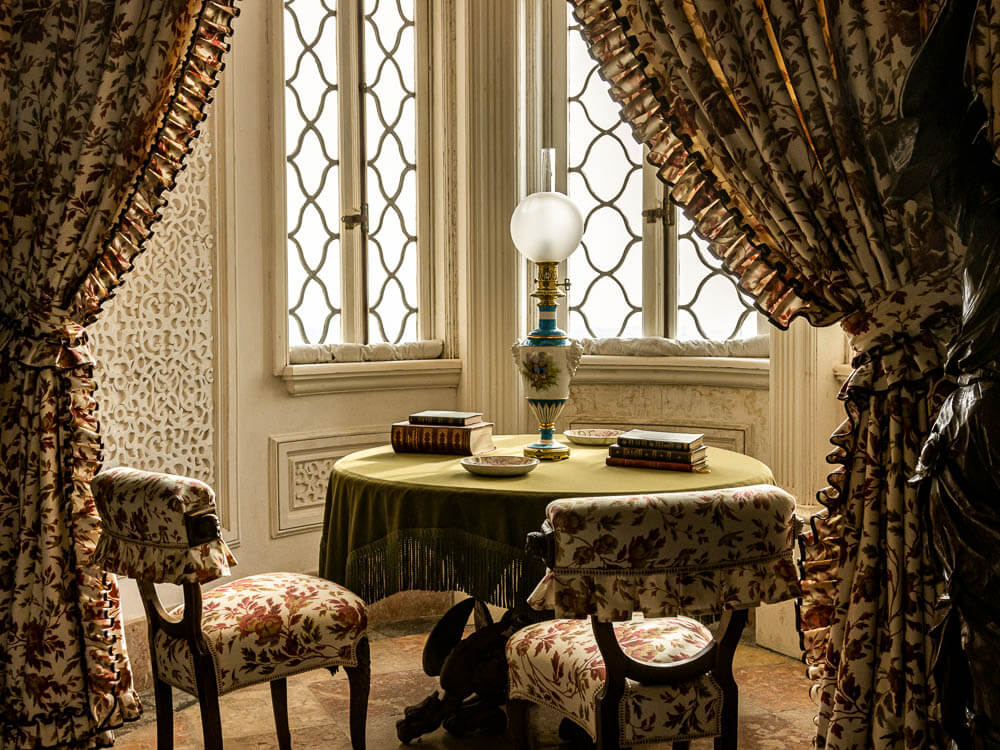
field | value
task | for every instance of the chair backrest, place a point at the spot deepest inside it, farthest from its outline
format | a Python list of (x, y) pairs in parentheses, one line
[(159, 528), (681, 552)]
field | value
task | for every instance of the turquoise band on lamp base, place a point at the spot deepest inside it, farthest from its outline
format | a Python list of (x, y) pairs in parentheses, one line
[(546, 448), (547, 334)]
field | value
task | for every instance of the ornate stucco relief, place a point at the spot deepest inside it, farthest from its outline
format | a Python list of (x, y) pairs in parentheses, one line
[(700, 407), (155, 342), (309, 480)]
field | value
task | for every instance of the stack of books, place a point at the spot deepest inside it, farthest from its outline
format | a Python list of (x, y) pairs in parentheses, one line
[(454, 433), (648, 449)]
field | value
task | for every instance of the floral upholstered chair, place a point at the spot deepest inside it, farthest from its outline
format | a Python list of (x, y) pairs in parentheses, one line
[(665, 677), (160, 528)]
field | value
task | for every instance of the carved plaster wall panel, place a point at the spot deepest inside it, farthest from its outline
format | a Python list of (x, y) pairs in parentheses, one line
[(158, 359), (733, 418), (300, 466)]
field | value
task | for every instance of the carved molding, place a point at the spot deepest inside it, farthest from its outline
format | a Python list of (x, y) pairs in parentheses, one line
[(365, 377), (161, 370), (300, 466), (732, 372)]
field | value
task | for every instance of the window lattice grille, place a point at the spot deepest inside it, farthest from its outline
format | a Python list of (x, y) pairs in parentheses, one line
[(386, 169), (605, 180), (710, 305), (391, 180), (312, 183)]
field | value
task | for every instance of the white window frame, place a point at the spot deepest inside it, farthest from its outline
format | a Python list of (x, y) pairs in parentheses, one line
[(436, 247)]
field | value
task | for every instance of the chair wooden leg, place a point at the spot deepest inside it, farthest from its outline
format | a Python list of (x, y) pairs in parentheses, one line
[(359, 680), (729, 739), (730, 628), (208, 699), (517, 720), (163, 695), (279, 703)]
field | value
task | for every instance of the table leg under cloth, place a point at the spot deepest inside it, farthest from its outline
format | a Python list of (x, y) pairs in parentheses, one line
[(472, 671)]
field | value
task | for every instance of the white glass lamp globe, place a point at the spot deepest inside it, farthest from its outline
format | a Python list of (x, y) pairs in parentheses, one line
[(546, 227)]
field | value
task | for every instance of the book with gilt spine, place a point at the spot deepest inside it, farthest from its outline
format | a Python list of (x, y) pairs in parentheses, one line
[(659, 454), (465, 440), (637, 463)]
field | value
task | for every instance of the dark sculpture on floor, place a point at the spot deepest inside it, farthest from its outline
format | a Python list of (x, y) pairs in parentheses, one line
[(939, 148), (472, 670)]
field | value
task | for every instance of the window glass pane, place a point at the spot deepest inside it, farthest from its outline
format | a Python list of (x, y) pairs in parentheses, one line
[(709, 303), (312, 172), (605, 181), (391, 145)]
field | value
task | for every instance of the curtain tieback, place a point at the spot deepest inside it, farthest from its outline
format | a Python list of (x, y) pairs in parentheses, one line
[(40, 336), (915, 309)]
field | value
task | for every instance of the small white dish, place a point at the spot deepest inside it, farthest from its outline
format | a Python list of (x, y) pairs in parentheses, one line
[(499, 466), (596, 436)]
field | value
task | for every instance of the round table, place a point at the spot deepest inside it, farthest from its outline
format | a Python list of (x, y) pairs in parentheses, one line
[(399, 521)]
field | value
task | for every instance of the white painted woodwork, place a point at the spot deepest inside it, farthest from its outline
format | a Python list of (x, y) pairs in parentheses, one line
[(490, 184), (804, 413), (737, 372)]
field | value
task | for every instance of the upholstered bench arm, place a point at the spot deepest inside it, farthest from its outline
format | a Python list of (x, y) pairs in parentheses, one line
[(686, 552)]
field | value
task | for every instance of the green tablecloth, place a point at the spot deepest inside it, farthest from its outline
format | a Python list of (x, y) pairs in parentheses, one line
[(417, 521)]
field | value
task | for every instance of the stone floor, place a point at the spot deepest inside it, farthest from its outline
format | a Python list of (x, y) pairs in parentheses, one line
[(775, 709)]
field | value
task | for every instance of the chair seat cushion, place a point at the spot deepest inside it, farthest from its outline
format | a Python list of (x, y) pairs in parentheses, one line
[(557, 664), (265, 627)]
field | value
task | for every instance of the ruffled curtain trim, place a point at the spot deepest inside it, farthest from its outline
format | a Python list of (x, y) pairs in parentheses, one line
[(902, 342), (197, 78), (748, 253), (112, 698)]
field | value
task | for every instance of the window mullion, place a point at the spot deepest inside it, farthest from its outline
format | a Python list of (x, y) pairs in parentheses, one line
[(352, 173), (659, 314), (429, 100), (557, 114)]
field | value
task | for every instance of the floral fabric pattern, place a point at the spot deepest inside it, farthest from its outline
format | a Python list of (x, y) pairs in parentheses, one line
[(265, 627), (760, 119), (99, 103), (144, 534), (558, 664), (691, 552)]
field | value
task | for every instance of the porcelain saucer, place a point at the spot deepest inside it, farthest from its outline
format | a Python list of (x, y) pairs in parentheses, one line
[(601, 436), (499, 466)]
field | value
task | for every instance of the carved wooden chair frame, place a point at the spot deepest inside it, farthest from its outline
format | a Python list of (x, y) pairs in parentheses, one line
[(716, 658), (188, 629)]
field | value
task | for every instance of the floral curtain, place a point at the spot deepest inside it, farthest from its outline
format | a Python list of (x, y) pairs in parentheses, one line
[(99, 100), (761, 118)]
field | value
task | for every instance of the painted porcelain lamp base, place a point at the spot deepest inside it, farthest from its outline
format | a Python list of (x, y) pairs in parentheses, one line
[(547, 361)]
